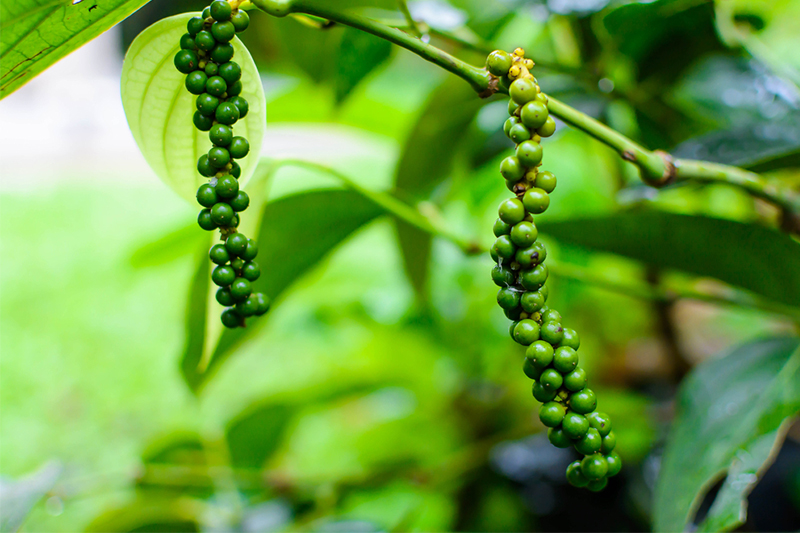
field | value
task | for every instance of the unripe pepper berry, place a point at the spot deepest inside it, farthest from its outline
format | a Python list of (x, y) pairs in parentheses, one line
[(522, 90), (594, 466), (499, 62), (551, 414), (540, 353), (512, 211)]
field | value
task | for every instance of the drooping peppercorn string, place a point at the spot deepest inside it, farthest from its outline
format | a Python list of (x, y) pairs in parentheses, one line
[(551, 357), (206, 59)]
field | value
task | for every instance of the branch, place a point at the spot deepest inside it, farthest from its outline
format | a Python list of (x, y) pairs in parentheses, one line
[(656, 168)]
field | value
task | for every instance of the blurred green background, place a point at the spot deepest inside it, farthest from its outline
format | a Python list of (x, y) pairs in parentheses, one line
[(382, 392)]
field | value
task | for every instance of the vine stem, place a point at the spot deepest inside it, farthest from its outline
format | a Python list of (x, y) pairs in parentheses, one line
[(656, 168)]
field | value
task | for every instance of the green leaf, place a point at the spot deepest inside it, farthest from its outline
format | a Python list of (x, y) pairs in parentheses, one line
[(745, 255), (320, 220), (426, 161), (168, 247), (256, 434), (758, 147), (730, 415), (151, 514), (37, 33), (359, 54), (159, 109)]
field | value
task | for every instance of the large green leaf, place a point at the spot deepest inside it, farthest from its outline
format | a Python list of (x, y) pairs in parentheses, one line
[(37, 33), (151, 514), (256, 434), (745, 255), (731, 411), (359, 54), (296, 232), (426, 161), (159, 109)]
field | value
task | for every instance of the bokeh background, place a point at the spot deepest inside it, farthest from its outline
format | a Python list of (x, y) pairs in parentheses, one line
[(366, 402)]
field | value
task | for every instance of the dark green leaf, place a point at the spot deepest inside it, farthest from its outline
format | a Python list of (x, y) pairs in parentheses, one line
[(151, 514), (196, 311), (296, 232), (37, 33), (758, 148), (359, 54), (744, 255), (427, 160), (256, 434), (730, 413)]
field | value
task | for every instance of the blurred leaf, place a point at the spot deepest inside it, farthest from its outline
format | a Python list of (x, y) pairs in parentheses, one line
[(729, 418), (159, 109), (36, 34), (663, 37), (256, 434), (744, 255), (181, 449), (312, 50), (426, 162), (150, 514), (296, 233), (19, 496), (169, 247), (758, 148), (359, 54)]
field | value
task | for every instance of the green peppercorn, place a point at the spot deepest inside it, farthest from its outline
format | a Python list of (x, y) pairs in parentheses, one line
[(513, 314), (224, 296), (219, 157), (508, 298), (263, 303), (558, 438), (204, 167), (211, 69), (194, 26), (251, 271), (546, 181), (240, 19), (548, 129), (522, 90), (220, 135), (205, 41), (223, 275), (512, 211), (590, 443), (552, 332), (219, 255), (575, 381), (601, 422), (196, 82), (583, 402), (236, 170), (241, 104), (551, 315), (251, 250), (551, 414), (609, 443), (204, 220), (534, 114), (529, 153), (503, 277), (237, 264), (511, 168), (185, 61), (202, 122), (534, 278), (510, 123), (594, 466), (565, 359), (236, 244), (531, 301), (239, 147), (575, 475), (223, 31), (207, 104), (512, 108), (536, 200), (221, 214), (241, 289), (235, 89), (501, 228), (227, 113), (614, 464), (216, 86), (230, 318), (551, 379), (530, 369), (504, 247), (526, 332), (206, 13), (540, 353), (231, 72), (187, 42), (220, 10), (571, 339), (597, 485), (240, 202), (206, 195), (542, 393), (575, 425), (524, 233), (222, 53), (519, 133), (227, 187), (499, 62)]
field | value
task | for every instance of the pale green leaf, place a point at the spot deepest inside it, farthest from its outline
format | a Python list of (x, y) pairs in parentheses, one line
[(37, 33), (159, 108)]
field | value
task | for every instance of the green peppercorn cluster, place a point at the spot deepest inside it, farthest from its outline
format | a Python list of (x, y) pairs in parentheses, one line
[(205, 57), (551, 357)]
